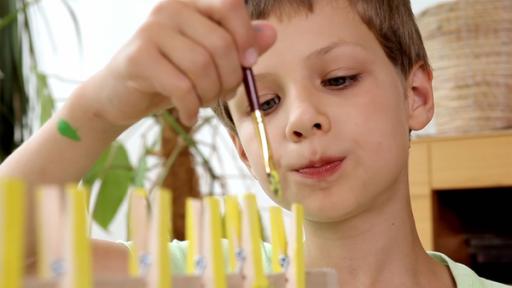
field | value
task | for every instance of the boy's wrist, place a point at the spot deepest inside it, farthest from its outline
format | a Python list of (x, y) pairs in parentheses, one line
[(88, 103)]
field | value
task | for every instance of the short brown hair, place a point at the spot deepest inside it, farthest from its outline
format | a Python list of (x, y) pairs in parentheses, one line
[(391, 22)]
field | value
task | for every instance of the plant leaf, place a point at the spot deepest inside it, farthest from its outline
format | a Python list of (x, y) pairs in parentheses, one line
[(13, 96), (120, 159), (96, 170), (47, 106), (140, 173), (116, 174), (114, 157), (65, 129), (45, 98), (7, 20), (114, 186)]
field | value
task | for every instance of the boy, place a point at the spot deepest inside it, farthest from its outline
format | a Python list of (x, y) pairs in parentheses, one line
[(341, 86)]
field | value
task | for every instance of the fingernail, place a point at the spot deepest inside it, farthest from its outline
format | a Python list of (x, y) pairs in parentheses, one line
[(250, 57)]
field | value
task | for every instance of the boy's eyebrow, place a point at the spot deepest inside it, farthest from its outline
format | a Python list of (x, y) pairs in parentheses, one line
[(262, 77), (331, 46)]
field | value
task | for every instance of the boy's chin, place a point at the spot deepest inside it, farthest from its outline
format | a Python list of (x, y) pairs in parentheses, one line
[(325, 210), (325, 206), (320, 217), (326, 216)]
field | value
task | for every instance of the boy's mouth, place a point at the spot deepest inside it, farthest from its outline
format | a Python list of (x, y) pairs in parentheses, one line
[(321, 169)]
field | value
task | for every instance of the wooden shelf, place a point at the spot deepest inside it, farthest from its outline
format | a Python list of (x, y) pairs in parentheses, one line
[(461, 191), (455, 162)]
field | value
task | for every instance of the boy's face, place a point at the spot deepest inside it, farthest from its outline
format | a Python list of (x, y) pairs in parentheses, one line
[(338, 115)]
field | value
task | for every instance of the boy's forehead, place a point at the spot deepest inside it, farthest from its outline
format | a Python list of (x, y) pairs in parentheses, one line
[(332, 24)]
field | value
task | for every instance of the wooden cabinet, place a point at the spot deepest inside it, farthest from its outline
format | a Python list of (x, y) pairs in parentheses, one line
[(455, 164)]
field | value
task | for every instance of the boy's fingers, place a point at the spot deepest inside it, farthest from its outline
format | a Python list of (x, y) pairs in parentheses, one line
[(219, 43), (174, 85), (187, 105), (196, 63), (233, 16), (265, 35)]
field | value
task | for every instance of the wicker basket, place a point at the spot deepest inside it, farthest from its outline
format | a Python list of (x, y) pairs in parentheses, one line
[(469, 43)]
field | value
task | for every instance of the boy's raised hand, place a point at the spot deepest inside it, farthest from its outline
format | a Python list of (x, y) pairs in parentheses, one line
[(187, 54)]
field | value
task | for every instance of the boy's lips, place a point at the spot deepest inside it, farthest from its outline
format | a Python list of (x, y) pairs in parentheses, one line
[(320, 169)]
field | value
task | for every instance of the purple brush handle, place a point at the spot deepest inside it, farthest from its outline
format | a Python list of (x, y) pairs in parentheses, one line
[(250, 89)]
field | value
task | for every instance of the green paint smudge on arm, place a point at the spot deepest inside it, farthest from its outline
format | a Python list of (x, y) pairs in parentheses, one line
[(68, 131)]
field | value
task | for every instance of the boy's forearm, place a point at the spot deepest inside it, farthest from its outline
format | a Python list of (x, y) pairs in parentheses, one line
[(50, 157)]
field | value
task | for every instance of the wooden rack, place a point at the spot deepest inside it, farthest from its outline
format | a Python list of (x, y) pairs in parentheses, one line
[(452, 174)]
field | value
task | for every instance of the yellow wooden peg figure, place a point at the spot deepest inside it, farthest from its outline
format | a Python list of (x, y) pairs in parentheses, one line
[(215, 274), (252, 241), (159, 274), (12, 240), (278, 240), (232, 226), (296, 273), (77, 257), (49, 220), (193, 235), (137, 231)]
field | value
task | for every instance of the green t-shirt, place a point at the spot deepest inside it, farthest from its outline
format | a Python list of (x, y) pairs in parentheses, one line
[(464, 277)]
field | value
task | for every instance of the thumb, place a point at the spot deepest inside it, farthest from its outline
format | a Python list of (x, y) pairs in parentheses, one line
[(266, 36)]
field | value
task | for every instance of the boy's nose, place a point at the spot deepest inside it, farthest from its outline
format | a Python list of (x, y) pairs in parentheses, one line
[(306, 122)]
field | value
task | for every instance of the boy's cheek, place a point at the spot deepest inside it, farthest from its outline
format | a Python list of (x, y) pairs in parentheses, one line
[(253, 158), (257, 169), (252, 155)]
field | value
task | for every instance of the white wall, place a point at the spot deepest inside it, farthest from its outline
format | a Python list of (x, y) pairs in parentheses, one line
[(420, 5), (105, 26)]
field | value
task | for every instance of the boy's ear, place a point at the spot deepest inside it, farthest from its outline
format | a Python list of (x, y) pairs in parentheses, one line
[(420, 97)]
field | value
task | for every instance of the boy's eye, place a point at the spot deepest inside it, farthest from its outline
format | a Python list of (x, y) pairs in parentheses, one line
[(270, 104), (339, 82)]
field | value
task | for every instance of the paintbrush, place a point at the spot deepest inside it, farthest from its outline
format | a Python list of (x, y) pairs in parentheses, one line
[(259, 125)]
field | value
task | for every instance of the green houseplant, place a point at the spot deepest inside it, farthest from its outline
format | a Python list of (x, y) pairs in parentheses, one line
[(21, 81), (20, 74)]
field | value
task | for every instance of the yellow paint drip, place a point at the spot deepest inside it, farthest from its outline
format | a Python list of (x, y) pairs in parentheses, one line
[(278, 238), (297, 257), (216, 260), (43, 269), (251, 209), (233, 230), (191, 235), (164, 230), (133, 261)]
